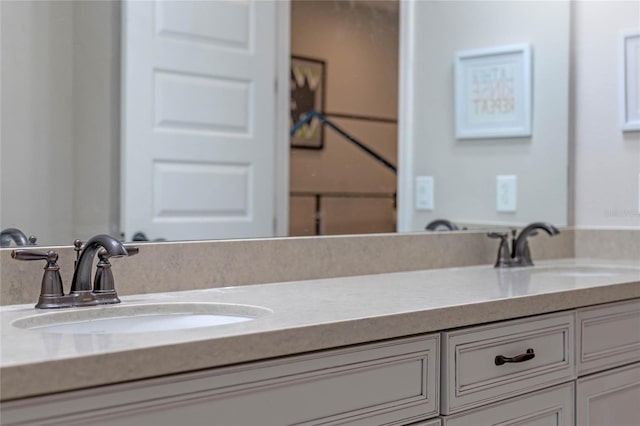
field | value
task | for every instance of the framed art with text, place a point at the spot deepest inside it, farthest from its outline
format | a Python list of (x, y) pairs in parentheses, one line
[(629, 80), (492, 92)]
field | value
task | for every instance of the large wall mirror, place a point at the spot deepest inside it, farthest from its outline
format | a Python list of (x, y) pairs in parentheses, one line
[(173, 118)]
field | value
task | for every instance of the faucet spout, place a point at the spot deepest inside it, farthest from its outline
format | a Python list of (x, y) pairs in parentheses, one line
[(521, 246), (82, 274), (13, 234), (433, 225)]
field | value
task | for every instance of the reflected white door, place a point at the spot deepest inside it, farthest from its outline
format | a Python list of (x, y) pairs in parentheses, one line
[(198, 122)]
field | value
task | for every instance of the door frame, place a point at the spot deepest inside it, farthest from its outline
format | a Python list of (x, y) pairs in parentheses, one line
[(406, 102), (282, 105)]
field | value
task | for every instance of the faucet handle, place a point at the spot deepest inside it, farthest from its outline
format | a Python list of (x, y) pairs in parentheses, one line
[(104, 282), (131, 250), (25, 254), (51, 288), (504, 257), (77, 247)]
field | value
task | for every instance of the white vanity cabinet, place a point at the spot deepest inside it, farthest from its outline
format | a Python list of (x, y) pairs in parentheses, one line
[(510, 372), (608, 336), (610, 398), (608, 389), (386, 383), (493, 362), (577, 367), (599, 386), (552, 407)]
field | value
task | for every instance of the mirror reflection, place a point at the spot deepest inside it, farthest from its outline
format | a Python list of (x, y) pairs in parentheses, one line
[(161, 118)]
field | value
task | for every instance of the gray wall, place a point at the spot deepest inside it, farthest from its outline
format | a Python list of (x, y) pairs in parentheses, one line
[(465, 170), (37, 118), (96, 112), (60, 118), (607, 160)]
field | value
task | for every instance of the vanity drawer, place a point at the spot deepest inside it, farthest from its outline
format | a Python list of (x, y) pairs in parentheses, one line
[(608, 336), (432, 422), (470, 376), (386, 383), (553, 406)]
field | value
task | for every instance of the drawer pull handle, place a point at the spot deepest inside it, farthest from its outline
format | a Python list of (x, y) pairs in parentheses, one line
[(518, 358)]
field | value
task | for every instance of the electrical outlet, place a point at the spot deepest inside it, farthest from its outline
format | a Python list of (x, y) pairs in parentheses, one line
[(424, 192), (506, 193)]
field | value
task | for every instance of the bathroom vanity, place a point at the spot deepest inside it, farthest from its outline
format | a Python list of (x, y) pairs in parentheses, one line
[(550, 344)]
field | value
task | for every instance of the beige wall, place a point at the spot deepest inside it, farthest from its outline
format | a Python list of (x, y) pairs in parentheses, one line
[(359, 43), (60, 118), (465, 171), (607, 160)]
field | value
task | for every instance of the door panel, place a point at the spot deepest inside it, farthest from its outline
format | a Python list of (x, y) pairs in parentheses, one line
[(199, 119)]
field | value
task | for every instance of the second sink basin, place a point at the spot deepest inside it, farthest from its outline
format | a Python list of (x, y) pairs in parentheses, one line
[(125, 319)]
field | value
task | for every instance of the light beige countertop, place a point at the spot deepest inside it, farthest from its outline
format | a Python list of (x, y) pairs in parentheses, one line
[(305, 316)]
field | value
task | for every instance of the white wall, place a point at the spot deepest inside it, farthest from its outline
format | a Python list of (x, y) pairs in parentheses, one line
[(60, 118), (96, 102), (607, 160), (465, 170), (37, 119)]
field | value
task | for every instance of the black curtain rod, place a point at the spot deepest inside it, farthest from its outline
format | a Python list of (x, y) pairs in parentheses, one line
[(311, 114), (361, 117)]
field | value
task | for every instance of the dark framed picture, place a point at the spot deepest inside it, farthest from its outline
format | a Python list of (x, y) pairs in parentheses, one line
[(307, 94)]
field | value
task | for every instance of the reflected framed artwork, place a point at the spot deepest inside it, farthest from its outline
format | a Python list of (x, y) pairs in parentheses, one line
[(629, 80), (307, 94), (492, 92)]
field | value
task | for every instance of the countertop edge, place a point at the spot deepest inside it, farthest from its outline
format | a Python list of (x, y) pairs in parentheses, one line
[(136, 364)]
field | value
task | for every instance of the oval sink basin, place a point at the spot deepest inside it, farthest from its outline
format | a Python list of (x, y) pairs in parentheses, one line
[(126, 319)]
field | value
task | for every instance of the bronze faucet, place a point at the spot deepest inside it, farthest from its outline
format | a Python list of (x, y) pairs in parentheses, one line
[(519, 254), (82, 274), (17, 236), (433, 225), (82, 293)]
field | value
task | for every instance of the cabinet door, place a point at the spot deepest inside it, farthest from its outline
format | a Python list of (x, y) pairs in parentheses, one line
[(386, 383), (550, 407), (611, 398), (608, 336)]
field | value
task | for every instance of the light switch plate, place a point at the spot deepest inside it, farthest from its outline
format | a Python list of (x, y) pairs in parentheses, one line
[(424, 192), (506, 193)]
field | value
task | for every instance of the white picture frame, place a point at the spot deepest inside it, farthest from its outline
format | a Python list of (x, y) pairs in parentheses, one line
[(493, 92), (629, 80)]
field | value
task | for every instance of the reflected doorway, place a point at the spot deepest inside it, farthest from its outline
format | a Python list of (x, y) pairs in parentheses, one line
[(345, 63)]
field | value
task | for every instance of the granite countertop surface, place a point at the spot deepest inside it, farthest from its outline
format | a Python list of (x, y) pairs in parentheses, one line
[(302, 316)]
